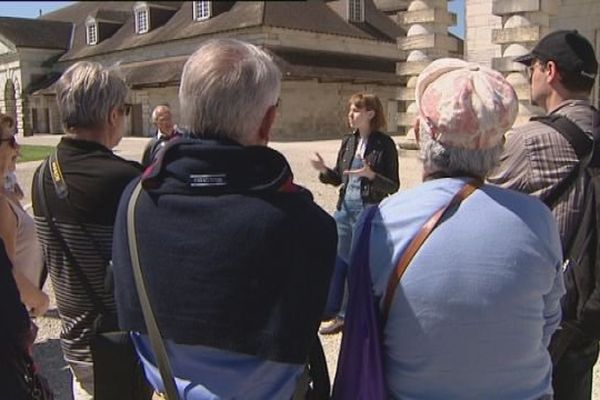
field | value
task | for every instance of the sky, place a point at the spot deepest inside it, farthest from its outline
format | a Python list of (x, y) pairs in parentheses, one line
[(458, 7), (31, 9)]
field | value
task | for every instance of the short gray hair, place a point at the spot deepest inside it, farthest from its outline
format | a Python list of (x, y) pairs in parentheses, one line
[(455, 161), (86, 92), (226, 88)]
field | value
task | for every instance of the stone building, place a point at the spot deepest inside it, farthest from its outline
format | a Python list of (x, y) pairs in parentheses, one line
[(327, 50)]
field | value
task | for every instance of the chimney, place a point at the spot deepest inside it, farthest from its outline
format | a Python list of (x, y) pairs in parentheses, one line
[(40, 12)]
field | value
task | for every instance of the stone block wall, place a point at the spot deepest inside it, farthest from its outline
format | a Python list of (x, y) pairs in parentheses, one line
[(312, 110), (307, 109), (479, 23)]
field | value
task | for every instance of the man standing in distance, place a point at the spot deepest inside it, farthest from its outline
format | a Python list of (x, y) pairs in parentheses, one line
[(162, 119)]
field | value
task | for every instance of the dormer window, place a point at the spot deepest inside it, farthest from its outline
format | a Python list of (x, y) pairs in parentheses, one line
[(202, 10), (141, 18), (91, 32), (356, 10)]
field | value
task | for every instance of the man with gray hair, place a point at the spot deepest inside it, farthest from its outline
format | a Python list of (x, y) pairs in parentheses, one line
[(239, 284), (82, 195), (162, 119)]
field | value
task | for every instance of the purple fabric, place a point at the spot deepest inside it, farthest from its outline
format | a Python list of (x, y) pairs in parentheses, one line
[(360, 365)]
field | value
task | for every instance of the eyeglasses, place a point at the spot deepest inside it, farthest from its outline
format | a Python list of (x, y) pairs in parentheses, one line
[(126, 108), (531, 68), (12, 141)]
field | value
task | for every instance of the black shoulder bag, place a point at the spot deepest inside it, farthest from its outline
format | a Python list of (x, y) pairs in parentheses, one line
[(118, 373), (581, 252)]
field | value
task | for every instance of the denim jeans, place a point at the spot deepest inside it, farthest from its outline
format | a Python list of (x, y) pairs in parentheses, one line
[(345, 220)]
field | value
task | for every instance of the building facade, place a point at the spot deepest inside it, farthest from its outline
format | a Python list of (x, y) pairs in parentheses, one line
[(327, 50)]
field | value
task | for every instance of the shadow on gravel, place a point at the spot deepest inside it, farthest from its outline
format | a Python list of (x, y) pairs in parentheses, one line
[(49, 359)]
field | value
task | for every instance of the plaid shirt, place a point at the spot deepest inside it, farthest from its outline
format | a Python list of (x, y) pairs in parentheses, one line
[(536, 158)]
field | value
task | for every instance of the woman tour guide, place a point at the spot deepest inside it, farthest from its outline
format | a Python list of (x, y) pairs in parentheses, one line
[(366, 171)]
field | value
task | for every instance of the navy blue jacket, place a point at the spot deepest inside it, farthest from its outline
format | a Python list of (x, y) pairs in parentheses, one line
[(237, 257)]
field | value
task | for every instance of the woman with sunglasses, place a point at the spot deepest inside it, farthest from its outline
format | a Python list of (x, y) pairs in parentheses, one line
[(34, 299), (29, 258)]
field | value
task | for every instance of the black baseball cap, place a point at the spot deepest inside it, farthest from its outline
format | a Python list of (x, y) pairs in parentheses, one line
[(568, 49)]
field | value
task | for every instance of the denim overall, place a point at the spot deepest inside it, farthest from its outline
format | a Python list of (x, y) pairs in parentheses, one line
[(345, 219)]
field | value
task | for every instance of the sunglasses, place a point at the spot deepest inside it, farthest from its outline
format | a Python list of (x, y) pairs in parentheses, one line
[(12, 141)]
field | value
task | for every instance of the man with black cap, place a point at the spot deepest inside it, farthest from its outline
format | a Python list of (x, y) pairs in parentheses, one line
[(562, 68)]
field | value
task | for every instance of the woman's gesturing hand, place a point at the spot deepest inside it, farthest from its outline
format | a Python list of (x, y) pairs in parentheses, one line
[(318, 164), (365, 171)]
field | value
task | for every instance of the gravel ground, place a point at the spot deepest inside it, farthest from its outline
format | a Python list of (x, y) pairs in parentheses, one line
[(47, 349)]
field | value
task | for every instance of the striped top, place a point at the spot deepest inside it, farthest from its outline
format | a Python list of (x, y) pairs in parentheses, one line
[(537, 158), (76, 308), (96, 178)]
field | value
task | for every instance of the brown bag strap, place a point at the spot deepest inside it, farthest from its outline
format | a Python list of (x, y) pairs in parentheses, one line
[(418, 241)]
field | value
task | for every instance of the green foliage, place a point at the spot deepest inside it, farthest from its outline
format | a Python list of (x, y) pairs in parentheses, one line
[(33, 152)]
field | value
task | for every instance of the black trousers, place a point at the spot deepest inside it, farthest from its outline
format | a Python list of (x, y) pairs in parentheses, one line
[(572, 375)]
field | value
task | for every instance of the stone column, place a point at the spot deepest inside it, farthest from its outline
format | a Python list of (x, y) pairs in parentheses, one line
[(524, 22), (427, 39), (24, 115)]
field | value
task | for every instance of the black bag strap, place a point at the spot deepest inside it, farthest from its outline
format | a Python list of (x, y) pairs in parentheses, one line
[(62, 191), (61, 240), (158, 346), (581, 143), (314, 383), (317, 366)]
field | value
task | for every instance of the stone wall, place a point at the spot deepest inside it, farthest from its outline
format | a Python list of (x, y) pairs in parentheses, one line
[(307, 109), (479, 22), (310, 110)]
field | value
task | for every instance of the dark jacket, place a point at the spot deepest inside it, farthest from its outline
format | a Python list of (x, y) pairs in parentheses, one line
[(15, 334), (154, 145), (236, 256), (382, 157)]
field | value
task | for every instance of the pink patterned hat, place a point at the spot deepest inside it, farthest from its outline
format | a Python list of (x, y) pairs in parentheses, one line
[(465, 104)]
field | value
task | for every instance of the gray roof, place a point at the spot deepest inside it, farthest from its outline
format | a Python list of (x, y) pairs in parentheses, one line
[(111, 15), (23, 32), (311, 15)]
